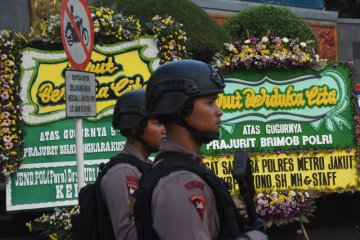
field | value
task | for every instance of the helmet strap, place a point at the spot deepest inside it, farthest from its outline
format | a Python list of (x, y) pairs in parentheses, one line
[(200, 136), (149, 148)]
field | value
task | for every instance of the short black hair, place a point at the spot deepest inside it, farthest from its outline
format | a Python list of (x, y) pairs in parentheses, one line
[(139, 130)]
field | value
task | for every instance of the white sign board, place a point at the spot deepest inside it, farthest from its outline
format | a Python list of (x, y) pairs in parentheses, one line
[(80, 94)]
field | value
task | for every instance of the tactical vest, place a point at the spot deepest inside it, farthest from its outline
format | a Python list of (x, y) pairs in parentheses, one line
[(94, 222), (142, 166), (165, 163)]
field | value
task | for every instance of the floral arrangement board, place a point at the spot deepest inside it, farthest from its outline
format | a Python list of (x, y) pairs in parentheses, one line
[(298, 125), (266, 111), (325, 171), (49, 166)]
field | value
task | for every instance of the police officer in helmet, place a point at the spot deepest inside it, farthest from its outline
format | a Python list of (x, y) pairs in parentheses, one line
[(180, 198), (143, 134)]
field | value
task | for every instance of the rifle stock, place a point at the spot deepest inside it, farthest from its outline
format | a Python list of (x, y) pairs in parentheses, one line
[(243, 175)]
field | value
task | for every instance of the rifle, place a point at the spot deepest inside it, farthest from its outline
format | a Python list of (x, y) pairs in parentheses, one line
[(243, 175)]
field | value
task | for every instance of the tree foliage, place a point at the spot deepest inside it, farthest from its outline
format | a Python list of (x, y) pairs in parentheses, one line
[(266, 19), (205, 36)]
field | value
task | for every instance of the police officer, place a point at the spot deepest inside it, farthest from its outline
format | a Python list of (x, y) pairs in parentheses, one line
[(143, 134), (180, 198)]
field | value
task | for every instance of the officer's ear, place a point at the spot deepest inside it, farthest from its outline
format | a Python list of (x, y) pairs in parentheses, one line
[(187, 108), (132, 130), (130, 135)]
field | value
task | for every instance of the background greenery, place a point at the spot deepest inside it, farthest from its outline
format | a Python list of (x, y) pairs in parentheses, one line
[(205, 36), (261, 20)]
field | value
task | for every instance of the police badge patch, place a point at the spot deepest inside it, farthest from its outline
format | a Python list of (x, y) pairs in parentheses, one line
[(198, 202), (132, 188), (132, 184)]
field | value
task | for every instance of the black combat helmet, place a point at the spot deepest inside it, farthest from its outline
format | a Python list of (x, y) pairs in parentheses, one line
[(172, 88), (173, 83), (129, 110)]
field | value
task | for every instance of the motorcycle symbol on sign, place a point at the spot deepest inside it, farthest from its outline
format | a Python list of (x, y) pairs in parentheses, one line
[(71, 36)]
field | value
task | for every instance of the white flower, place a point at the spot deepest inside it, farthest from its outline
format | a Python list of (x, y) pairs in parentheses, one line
[(7, 174), (259, 195), (307, 194), (229, 46), (218, 63), (96, 26), (302, 44), (265, 39), (292, 193), (247, 41), (317, 58), (285, 40), (274, 194)]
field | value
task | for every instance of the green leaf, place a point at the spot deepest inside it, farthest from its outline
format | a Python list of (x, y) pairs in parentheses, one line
[(340, 121), (228, 127), (330, 124), (342, 107), (317, 124)]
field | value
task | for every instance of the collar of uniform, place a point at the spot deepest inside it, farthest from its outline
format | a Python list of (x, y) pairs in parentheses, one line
[(129, 149), (169, 146)]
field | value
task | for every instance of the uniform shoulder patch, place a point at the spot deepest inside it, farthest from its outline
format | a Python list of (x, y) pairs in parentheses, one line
[(132, 179), (132, 184), (198, 201), (194, 184)]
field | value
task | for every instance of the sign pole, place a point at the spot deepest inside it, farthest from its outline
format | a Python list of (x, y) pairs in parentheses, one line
[(77, 34), (79, 153)]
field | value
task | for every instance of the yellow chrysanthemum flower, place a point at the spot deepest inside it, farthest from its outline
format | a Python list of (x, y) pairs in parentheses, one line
[(9, 167), (29, 226), (156, 17), (265, 52), (98, 13), (242, 55), (52, 236)]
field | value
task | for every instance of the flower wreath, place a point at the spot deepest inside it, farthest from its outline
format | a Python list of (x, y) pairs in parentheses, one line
[(109, 27), (11, 133), (269, 52), (266, 52)]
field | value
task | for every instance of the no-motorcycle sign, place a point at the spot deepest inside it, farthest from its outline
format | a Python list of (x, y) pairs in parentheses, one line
[(77, 32)]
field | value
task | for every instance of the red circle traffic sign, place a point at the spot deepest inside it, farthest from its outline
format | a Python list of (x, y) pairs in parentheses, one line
[(77, 32)]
